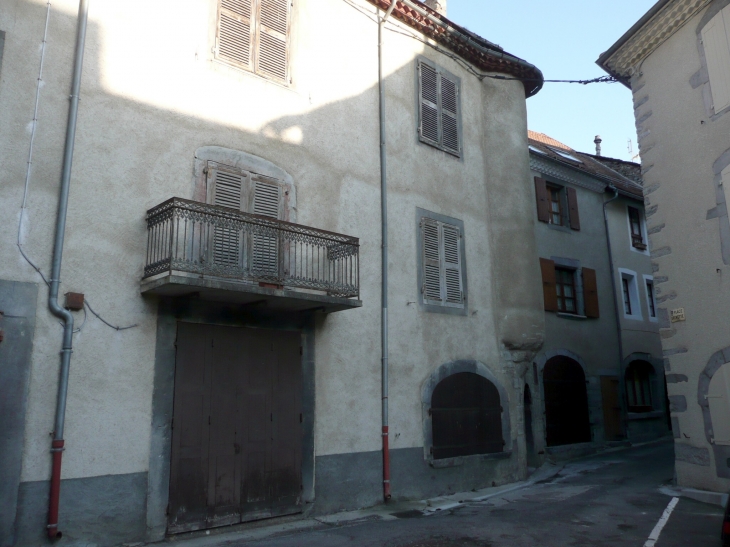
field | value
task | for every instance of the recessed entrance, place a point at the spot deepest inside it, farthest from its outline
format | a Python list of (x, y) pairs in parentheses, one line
[(566, 402), (237, 433)]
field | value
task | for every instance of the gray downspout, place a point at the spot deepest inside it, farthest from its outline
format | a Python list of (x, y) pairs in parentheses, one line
[(615, 304), (54, 306), (384, 231)]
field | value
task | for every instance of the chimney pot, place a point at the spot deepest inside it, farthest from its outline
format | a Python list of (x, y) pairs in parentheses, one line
[(598, 140)]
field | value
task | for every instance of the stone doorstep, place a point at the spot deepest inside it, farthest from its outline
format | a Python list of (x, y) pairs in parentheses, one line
[(704, 496)]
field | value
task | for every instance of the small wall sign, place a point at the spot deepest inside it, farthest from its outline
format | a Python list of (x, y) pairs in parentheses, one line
[(677, 315)]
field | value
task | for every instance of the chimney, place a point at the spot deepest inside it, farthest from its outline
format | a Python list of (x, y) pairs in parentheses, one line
[(438, 5), (598, 140)]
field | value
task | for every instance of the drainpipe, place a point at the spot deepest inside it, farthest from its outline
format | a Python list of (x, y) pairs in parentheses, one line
[(384, 231), (56, 309), (616, 308)]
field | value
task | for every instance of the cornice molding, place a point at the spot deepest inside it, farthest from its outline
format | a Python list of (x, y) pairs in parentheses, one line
[(650, 36), (547, 167)]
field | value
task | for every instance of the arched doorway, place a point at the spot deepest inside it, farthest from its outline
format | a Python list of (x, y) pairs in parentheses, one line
[(566, 402), (466, 414)]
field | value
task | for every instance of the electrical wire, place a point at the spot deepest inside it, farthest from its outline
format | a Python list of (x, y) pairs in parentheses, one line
[(100, 318), (393, 27)]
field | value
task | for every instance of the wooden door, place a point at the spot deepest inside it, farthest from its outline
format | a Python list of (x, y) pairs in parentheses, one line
[(611, 408), (237, 440)]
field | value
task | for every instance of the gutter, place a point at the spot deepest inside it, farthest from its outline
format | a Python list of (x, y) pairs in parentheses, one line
[(57, 445)]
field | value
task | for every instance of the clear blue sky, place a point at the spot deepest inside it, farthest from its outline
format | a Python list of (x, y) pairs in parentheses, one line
[(563, 38)]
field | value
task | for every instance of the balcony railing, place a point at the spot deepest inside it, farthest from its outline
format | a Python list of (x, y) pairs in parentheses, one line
[(210, 240)]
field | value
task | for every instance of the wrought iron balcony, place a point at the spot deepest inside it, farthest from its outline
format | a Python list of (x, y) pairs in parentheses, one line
[(220, 253)]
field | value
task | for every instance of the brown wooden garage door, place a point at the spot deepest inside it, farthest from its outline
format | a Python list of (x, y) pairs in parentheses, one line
[(236, 436)]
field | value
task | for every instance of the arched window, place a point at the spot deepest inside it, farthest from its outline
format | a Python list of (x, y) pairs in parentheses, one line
[(639, 376), (466, 417)]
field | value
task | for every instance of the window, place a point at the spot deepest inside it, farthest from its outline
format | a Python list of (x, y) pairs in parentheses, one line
[(650, 297), (565, 289), (568, 288), (466, 417), (441, 273), (439, 108), (254, 35), (630, 294), (717, 53), (636, 226), (564, 154), (638, 386), (553, 201)]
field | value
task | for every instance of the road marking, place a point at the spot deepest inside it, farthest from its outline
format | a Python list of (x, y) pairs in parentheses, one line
[(654, 536)]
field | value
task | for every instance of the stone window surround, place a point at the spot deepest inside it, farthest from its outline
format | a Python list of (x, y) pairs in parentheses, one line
[(632, 276), (427, 389), (573, 264), (650, 278)]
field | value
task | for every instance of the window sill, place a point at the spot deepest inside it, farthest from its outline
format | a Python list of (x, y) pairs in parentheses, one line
[(573, 316), (560, 228), (445, 463), (645, 415)]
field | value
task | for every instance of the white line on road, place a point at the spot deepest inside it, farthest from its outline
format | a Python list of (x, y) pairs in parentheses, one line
[(654, 536)]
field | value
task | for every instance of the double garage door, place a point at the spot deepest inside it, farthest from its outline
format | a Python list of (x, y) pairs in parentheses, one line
[(237, 433)]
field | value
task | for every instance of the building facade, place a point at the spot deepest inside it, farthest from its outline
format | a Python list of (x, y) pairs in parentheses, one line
[(675, 60), (224, 220), (597, 380)]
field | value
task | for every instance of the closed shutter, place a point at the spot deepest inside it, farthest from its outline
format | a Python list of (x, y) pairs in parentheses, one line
[(273, 39), (449, 114), (573, 208), (228, 187), (726, 186), (718, 397), (235, 32), (266, 202), (452, 265), (717, 54), (543, 204), (431, 288), (428, 80), (590, 293), (549, 291)]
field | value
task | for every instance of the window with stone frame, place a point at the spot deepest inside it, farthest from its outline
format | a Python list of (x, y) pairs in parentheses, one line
[(637, 228), (565, 290), (639, 375)]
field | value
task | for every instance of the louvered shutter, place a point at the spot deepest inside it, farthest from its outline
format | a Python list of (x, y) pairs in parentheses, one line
[(590, 293), (228, 191), (428, 82), (717, 54), (267, 203), (547, 267), (718, 397), (273, 39), (543, 205), (235, 32), (449, 114), (454, 295), (431, 249), (573, 208)]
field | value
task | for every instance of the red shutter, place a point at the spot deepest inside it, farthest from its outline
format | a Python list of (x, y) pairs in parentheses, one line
[(548, 284), (590, 293), (573, 209), (543, 205)]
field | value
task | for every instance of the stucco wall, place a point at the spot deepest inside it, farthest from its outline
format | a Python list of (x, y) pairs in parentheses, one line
[(150, 98), (681, 141)]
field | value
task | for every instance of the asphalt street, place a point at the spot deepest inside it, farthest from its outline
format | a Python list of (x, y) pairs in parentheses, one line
[(606, 500)]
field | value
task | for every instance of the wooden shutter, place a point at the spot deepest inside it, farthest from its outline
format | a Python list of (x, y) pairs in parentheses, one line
[(548, 284), (717, 54), (590, 293), (428, 85), (449, 114), (726, 186), (273, 39), (430, 242), (235, 32), (543, 203), (454, 294), (266, 202), (718, 397), (573, 208), (228, 188)]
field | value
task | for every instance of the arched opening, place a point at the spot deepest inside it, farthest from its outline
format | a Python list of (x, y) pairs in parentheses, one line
[(466, 417), (529, 436), (566, 402), (639, 379)]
